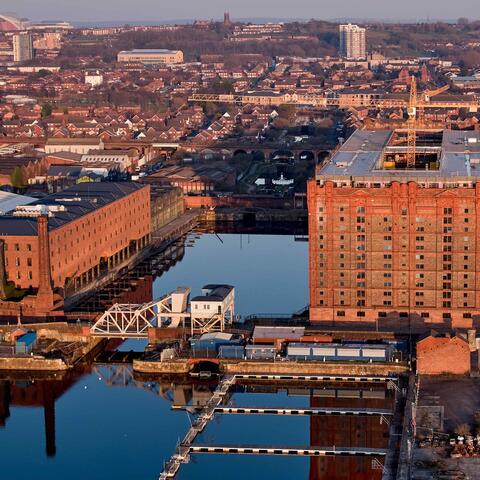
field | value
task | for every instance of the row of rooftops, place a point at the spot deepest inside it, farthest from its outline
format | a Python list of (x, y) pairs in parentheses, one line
[(360, 159), (65, 206)]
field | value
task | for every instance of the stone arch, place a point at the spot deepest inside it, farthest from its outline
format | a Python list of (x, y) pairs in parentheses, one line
[(207, 154), (282, 155), (259, 155), (322, 154), (240, 151), (307, 155)]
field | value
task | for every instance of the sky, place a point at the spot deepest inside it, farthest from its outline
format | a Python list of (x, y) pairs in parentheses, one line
[(161, 10)]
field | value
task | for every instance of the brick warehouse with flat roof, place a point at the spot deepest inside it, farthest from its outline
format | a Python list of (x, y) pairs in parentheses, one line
[(390, 242), (66, 241)]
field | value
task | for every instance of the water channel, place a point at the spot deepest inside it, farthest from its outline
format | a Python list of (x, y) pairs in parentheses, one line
[(101, 422)]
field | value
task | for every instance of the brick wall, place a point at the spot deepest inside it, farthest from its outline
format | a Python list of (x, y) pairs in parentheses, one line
[(436, 356), (393, 252)]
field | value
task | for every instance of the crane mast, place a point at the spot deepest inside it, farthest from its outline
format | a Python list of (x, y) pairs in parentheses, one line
[(412, 125)]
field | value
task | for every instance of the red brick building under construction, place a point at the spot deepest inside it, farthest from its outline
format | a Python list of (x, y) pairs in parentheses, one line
[(60, 245), (389, 241)]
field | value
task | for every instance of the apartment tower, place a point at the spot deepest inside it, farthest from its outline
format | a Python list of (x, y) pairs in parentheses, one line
[(22, 47), (352, 42)]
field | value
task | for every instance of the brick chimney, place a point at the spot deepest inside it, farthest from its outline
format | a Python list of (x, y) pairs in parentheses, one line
[(44, 301)]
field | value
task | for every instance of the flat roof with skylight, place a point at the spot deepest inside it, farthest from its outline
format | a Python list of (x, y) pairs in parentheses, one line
[(375, 158)]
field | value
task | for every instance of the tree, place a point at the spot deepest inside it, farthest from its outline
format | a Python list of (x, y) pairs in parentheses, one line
[(16, 178), (43, 72), (46, 110), (463, 429)]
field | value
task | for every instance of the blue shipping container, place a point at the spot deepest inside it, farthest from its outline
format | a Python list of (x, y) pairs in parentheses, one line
[(25, 343), (232, 351)]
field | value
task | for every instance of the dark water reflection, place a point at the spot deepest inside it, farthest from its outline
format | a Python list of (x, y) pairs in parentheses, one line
[(103, 423), (106, 423)]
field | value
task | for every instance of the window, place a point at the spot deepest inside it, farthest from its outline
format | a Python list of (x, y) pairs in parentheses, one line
[(360, 314), (17, 247), (447, 211), (340, 313), (425, 315), (29, 247)]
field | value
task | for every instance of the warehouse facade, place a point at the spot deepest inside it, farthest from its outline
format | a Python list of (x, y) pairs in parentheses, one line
[(66, 241), (396, 243)]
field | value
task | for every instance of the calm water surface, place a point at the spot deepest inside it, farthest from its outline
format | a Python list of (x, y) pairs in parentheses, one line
[(269, 272), (100, 424)]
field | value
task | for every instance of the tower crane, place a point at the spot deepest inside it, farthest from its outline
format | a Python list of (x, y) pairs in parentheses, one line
[(416, 106), (412, 125)]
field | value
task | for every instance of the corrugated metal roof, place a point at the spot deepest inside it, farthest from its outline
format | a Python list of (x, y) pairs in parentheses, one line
[(278, 332), (77, 200)]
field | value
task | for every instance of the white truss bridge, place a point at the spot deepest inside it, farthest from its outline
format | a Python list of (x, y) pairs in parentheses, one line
[(134, 320), (208, 313)]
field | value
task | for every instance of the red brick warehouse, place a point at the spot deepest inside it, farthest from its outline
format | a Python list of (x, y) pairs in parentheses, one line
[(387, 241)]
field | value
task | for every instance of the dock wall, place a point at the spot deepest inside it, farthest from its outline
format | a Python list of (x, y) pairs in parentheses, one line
[(34, 364), (277, 368)]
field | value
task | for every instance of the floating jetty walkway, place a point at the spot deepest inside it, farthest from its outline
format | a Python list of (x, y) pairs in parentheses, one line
[(213, 406)]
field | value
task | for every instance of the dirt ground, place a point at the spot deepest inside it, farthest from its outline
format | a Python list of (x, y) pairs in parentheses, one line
[(459, 396), (428, 464)]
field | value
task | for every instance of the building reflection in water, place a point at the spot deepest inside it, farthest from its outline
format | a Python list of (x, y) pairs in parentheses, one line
[(348, 431), (35, 392), (181, 392), (135, 285)]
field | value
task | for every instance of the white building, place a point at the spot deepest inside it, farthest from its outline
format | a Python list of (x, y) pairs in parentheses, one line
[(95, 79), (211, 310), (22, 47), (73, 145), (353, 43)]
